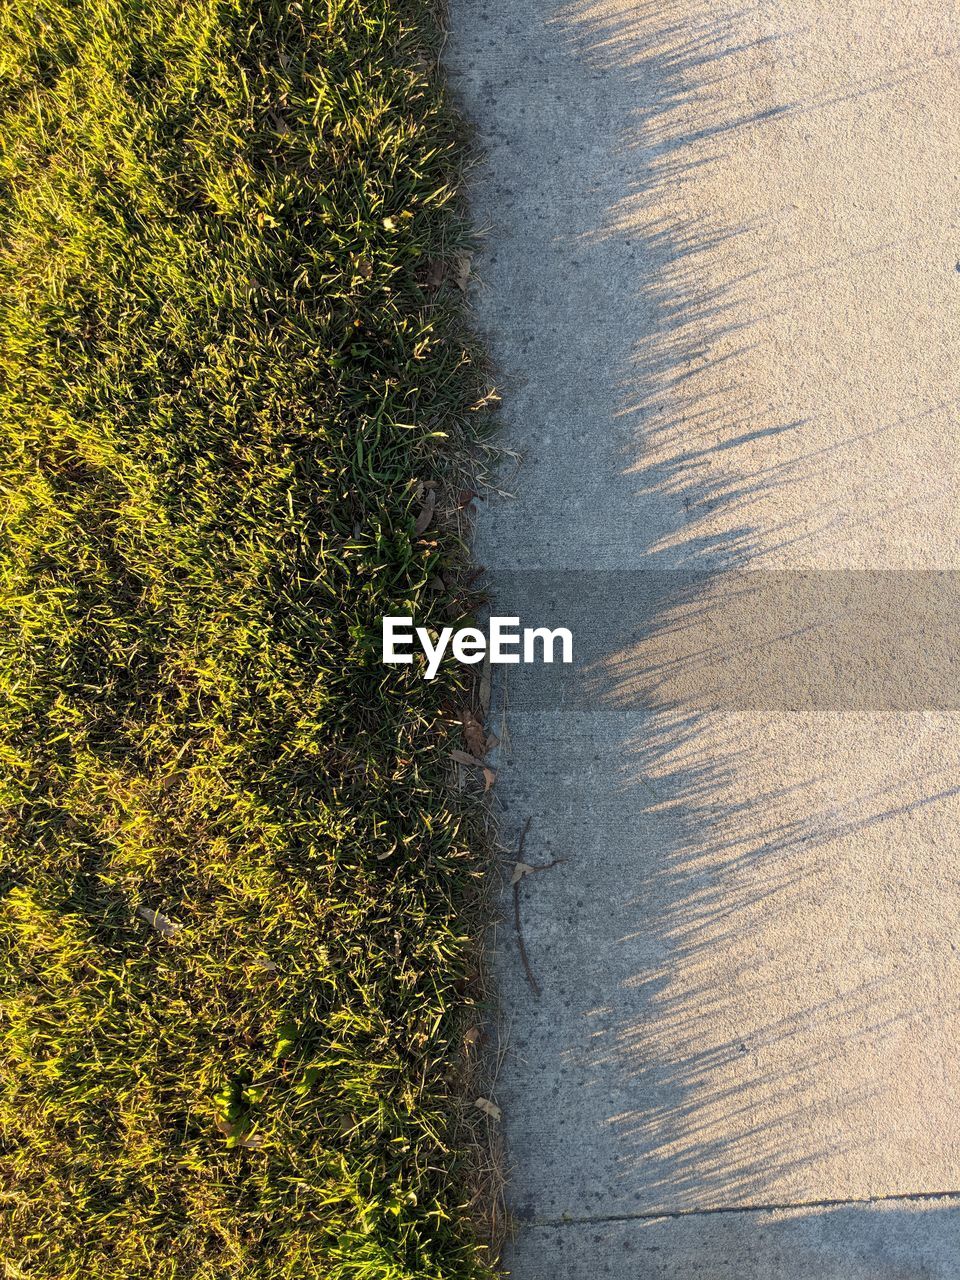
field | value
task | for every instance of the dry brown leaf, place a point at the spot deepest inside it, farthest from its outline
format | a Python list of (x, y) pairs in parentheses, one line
[(488, 1108), (520, 870), (434, 276), (266, 970), (157, 920), (473, 735), (462, 757), (471, 1036), (426, 512), (461, 269), (489, 777)]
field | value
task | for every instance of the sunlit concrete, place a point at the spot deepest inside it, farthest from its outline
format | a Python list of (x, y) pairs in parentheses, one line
[(721, 284)]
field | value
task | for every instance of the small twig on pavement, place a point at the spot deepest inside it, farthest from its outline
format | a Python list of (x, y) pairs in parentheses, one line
[(534, 984), (522, 946), (523, 839)]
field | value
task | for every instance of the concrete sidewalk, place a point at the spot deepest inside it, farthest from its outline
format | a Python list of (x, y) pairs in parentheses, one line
[(721, 281)]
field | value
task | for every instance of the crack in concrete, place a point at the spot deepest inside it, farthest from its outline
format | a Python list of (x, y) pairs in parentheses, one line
[(659, 1215)]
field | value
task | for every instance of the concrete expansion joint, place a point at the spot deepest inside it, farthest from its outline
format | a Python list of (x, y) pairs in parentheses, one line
[(660, 1215)]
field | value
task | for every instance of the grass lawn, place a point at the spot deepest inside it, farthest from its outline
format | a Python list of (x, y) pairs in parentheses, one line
[(238, 893)]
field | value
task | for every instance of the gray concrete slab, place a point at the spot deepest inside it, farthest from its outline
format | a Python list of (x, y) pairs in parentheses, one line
[(894, 1240), (721, 283)]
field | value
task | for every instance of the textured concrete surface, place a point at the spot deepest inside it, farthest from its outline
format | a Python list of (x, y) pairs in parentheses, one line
[(895, 1240), (721, 280)]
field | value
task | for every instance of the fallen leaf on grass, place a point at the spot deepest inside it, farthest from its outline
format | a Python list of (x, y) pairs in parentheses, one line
[(488, 1108), (473, 733), (157, 920), (434, 276), (471, 1036), (489, 775), (426, 512), (461, 268)]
